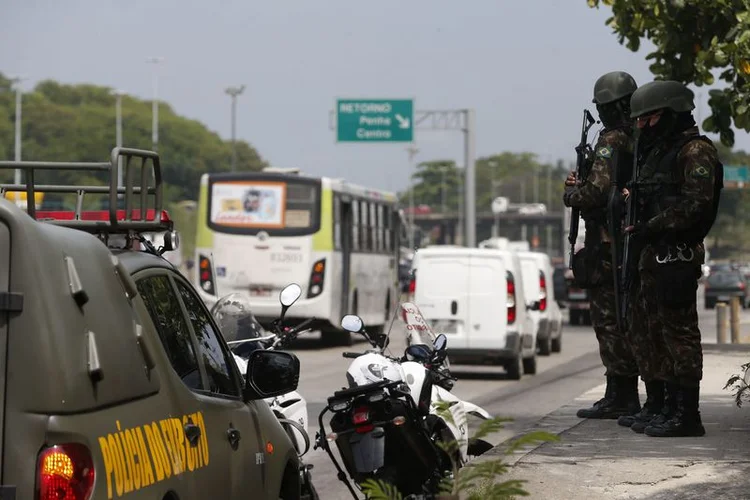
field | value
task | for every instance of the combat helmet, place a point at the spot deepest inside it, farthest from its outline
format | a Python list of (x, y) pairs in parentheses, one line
[(613, 86), (661, 94)]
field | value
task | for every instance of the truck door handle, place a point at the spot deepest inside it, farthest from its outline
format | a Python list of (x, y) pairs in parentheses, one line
[(454, 307), (234, 437), (192, 433)]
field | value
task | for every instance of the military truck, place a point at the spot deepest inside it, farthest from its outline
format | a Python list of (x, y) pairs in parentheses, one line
[(115, 381)]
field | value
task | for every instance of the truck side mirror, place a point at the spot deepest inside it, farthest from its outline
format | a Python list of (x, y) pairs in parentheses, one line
[(269, 374)]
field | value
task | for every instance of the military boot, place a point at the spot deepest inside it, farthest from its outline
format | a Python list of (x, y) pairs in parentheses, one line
[(606, 400), (651, 408), (667, 410), (686, 420), (623, 400)]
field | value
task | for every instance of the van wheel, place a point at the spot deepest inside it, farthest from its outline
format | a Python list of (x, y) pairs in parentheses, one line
[(545, 346), (513, 368), (529, 365), (557, 343), (336, 338)]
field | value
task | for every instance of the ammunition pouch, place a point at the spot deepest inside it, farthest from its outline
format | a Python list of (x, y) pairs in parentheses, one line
[(676, 280), (591, 267)]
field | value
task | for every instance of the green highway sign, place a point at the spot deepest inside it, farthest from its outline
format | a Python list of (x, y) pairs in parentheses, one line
[(736, 173), (374, 120)]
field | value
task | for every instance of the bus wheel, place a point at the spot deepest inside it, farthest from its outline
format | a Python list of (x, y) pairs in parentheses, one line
[(336, 337)]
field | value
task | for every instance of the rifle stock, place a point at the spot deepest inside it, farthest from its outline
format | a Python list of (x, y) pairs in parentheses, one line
[(583, 161)]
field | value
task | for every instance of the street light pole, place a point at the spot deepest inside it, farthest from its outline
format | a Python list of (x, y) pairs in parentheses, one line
[(234, 92), (118, 132), (442, 190), (19, 111), (412, 150), (155, 104)]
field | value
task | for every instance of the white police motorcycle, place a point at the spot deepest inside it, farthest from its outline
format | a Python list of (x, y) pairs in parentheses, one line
[(395, 401)]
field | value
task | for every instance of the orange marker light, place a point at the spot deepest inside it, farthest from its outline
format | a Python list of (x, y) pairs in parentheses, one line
[(204, 263), (269, 448), (319, 267)]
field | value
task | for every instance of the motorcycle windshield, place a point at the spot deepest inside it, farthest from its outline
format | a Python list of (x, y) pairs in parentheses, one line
[(408, 321)]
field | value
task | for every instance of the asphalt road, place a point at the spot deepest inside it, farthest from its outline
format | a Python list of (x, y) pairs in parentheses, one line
[(560, 378)]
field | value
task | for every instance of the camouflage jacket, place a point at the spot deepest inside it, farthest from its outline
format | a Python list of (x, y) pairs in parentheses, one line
[(594, 191), (697, 162)]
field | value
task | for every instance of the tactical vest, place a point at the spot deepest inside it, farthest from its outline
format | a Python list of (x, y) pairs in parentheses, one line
[(660, 187)]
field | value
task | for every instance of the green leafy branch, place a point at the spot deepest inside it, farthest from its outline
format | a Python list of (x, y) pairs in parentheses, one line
[(739, 386)]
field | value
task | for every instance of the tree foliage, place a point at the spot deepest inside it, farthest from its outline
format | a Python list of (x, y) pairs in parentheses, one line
[(695, 40), (506, 174), (77, 123)]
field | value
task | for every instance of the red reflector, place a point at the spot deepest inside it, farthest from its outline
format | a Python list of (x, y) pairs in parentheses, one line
[(316, 278), (99, 215), (361, 415), (412, 285), (65, 472), (205, 275), (511, 300)]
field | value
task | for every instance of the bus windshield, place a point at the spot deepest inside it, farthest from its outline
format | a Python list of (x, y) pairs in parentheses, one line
[(278, 205)]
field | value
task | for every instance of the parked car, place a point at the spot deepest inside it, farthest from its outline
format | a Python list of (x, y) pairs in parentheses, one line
[(721, 286), (561, 286)]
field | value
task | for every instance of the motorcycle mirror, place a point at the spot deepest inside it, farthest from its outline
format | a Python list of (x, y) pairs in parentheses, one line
[(419, 352), (441, 342), (288, 296), (352, 323), (746, 377)]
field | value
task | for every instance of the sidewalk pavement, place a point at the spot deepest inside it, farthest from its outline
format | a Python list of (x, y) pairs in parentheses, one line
[(598, 459)]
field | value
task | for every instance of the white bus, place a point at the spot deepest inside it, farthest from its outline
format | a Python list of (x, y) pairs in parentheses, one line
[(259, 231)]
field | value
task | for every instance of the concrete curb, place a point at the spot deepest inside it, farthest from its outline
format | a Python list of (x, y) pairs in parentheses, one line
[(557, 422)]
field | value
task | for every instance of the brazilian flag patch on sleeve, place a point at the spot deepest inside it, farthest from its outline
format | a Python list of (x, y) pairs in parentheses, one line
[(701, 172), (604, 152)]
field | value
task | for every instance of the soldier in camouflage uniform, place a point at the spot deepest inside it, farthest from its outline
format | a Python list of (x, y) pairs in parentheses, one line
[(612, 94), (679, 183)]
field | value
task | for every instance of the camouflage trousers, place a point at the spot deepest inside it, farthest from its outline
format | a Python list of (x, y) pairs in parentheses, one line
[(614, 348), (663, 319)]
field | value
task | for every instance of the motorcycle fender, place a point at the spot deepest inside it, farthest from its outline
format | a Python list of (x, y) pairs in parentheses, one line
[(477, 411), (460, 425), (293, 407)]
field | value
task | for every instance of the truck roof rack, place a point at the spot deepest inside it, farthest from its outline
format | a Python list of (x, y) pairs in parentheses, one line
[(111, 221)]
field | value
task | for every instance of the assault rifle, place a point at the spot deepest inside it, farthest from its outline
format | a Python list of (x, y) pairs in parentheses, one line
[(614, 226), (629, 253), (584, 161)]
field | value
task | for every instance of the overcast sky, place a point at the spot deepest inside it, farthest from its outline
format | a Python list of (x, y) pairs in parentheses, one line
[(526, 67)]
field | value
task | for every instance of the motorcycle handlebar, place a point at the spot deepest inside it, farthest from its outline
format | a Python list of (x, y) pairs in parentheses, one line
[(351, 355), (302, 325)]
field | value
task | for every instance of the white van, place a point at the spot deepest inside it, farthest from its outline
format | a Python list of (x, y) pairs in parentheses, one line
[(475, 297), (537, 279)]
